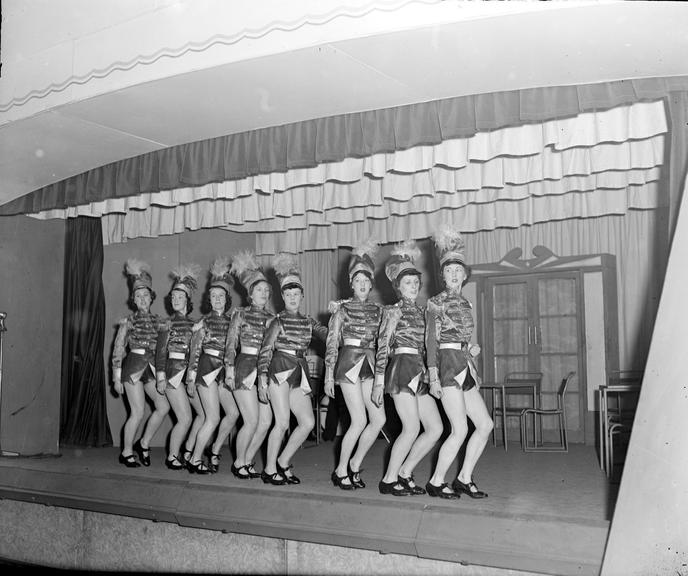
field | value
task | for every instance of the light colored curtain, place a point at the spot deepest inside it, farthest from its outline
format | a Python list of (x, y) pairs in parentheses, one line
[(590, 165)]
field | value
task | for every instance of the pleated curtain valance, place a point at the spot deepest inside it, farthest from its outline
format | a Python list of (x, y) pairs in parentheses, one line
[(314, 142), (592, 164)]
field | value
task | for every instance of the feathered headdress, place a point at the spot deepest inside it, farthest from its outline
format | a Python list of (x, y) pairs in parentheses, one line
[(287, 269), (185, 277), (401, 260), (246, 268), (219, 275), (362, 259), (450, 245), (139, 274)]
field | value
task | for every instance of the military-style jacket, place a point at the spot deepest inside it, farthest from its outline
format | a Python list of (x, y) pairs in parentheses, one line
[(209, 334), (288, 331), (137, 331), (353, 320), (174, 336), (449, 319), (402, 326), (246, 329)]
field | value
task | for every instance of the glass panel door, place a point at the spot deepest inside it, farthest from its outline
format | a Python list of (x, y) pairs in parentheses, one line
[(557, 330)]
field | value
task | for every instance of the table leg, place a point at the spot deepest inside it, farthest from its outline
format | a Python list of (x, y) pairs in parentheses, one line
[(504, 417)]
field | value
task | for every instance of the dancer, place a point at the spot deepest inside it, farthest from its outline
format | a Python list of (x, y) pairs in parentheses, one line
[(281, 363), (172, 357), (399, 364), (133, 360), (246, 331), (206, 360), (450, 363), (354, 326)]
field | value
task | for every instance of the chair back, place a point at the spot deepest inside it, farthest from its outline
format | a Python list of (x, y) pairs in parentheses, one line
[(316, 366), (515, 378), (562, 389)]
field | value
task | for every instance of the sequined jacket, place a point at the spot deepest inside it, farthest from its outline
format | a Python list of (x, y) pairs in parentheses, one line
[(288, 332), (209, 333), (246, 328), (449, 319), (174, 336), (138, 330), (352, 320), (402, 325)]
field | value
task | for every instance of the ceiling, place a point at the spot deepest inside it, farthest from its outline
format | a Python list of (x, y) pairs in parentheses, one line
[(575, 45)]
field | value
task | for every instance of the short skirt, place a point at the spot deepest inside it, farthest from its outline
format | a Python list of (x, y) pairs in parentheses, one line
[(174, 371), (450, 364), (402, 370), (286, 367), (207, 367), (138, 367), (245, 371), (354, 364)]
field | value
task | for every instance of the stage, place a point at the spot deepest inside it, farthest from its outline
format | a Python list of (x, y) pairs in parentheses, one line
[(546, 512)]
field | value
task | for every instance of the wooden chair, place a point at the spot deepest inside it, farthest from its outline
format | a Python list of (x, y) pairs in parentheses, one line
[(620, 416), (559, 412), (531, 381)]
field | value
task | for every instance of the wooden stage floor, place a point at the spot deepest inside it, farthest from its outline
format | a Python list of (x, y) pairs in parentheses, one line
[(546, 512)]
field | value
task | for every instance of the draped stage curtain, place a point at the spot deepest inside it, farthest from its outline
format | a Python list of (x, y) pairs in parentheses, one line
[(83, 416)]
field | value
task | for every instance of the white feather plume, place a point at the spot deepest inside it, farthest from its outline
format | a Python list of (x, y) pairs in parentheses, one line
[(220, 267), (407, 248), (242, 261), (369, 247), (448, 238), (189, 271), (285, 263), (136, 267)]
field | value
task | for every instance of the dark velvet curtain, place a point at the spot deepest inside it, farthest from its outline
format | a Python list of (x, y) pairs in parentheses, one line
[(83, 414)]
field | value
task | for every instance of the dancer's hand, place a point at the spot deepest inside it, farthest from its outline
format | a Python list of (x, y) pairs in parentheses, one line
[(436, 389), (161, 383), (119, 387), (378, 390), (191, 388), (263, 392), (329, 382), (229, 378)]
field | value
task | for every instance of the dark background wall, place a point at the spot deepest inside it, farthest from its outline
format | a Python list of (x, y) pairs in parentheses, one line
[(31, 292)]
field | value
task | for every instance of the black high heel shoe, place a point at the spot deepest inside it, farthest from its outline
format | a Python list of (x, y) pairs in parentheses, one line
[(241, 472), (394, 488), (252, 471), (213, 461), (275, 479), (470, 489), (287, 474), (198, 468), (174, 463), (411, 485), (129, 461), (144, 453), (339, 481), (439, 491), (356, 478)]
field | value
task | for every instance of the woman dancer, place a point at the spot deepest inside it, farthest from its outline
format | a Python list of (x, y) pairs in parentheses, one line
[(450, 362), (172, 357), (399, 364), (354, 326), (281, 363), (246, 330), (132, 364), (206, 360)]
